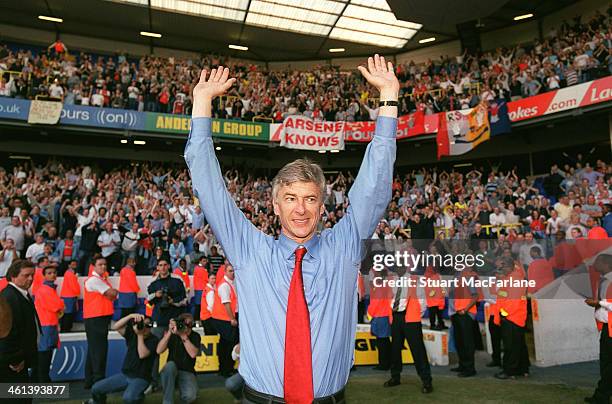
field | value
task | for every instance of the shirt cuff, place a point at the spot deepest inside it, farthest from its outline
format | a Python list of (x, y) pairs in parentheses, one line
[(386, 126), (201, 125)]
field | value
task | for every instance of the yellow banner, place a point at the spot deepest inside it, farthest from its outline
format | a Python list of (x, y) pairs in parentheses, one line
[(365, 352)]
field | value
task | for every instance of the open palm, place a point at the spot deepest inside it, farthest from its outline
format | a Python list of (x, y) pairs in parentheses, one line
[(217, 84), (381, 75)]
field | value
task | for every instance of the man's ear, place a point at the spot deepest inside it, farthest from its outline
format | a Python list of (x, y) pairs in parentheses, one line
[(276, 207), (322, 209)]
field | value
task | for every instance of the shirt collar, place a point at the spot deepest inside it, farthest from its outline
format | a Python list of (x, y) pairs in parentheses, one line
[(289, 246), (22, 291)]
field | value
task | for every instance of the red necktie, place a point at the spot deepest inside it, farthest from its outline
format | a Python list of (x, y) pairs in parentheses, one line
[(298, 352)]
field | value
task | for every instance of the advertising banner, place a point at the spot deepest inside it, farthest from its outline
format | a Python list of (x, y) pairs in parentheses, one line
[(45, 112), (302, 132), (222, 128), (102, 117), (14, 108)]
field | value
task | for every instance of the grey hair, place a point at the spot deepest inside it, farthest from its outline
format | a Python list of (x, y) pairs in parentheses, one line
[(300, 170)]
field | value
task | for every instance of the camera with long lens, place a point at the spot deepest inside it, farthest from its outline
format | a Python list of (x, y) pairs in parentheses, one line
[(140, 325), (164, 303), (180, 324)]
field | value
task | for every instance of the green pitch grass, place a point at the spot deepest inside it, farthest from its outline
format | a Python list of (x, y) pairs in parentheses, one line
[(447, 389)]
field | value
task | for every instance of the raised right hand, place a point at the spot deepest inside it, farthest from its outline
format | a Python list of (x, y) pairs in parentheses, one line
[(217, 84)]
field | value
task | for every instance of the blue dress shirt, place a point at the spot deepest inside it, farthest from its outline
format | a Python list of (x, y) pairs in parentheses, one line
[(264, 265)]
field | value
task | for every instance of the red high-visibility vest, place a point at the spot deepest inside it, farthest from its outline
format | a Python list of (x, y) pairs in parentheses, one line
[(3, 284), (200, 277), (127, 281), (205, 314), (70, 285), (218, 311), (413, 304), (48, 305), (360, 286), (96, 304)]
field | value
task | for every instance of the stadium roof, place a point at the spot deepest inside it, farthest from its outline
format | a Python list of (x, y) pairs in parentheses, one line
[(274, 29)]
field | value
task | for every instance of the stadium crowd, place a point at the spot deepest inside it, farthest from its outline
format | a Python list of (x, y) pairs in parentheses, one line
[(574, 53), (66, 212)]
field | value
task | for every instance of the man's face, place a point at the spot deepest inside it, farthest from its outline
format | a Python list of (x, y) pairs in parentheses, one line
[(229, 272), (163, 267), (100, 266), (15, 221), (50, 275), (25, 278), (108, 227), (299, 206)]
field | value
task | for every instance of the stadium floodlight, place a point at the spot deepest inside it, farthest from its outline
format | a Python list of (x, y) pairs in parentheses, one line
[(335, 151), (238, 47), (124, 141), (336, 50), (52, 19), (19, 157), (140, 142), (425, 40), (218, 148), (151, 34), (322, 151), (523, 17)]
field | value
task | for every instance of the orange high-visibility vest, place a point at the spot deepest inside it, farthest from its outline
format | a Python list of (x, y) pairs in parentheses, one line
[(127, 281), (205, 314), (148, 308), (3, 284), (512, 302), (360, 286), (380, 301), (200, 278), (96, 304), (70, 285), (221, 273), (218, 311), (541, 272), (434, 295), (38, 280), (609, 300), (48, 305), (184, 276), (463, 296), (413, 305)]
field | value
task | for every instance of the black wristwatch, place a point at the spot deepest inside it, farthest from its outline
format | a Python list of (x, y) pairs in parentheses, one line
[(388, 104)]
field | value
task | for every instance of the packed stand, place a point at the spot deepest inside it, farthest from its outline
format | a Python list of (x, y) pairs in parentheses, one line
[(69, 213), (574, 53)]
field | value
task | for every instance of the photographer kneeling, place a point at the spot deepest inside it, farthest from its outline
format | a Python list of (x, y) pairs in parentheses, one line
[(183, 347), (137, 365)]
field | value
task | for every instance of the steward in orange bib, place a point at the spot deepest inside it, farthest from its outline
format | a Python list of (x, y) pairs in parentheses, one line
[(206, 305), (408, 307), (462, 310), (435, 299), (603, 316), (200, 279), (539, 270), (512, 316), (128, 288), (99, 296), (3, 283), (225, 322), (50, 308), (70, 293), (39, 278), (380, 311), (181, 272)]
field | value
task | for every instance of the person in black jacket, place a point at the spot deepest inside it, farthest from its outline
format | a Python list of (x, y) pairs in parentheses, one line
[(18, 350), (88, 246)]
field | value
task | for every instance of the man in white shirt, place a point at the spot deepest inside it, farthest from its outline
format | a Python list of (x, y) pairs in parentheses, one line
[(603, 315), (7, 256), (497, 218), (109, 241), (227, 329), (37, 248)]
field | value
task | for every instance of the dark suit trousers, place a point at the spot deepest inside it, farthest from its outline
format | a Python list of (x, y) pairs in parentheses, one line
[(463, 333), (604, 387), (495, 331), (96, 330), (413, 333), (229, 338), (516, 357)]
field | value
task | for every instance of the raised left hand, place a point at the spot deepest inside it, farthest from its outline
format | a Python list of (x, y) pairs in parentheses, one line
[(381, 75)]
